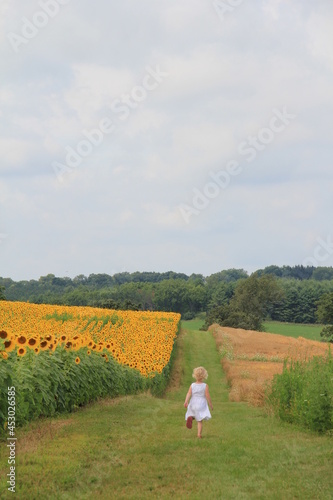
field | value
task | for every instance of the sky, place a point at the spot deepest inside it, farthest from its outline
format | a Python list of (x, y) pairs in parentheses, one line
[(191, 135)]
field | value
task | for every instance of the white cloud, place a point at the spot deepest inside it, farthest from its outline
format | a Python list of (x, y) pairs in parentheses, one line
[(204, 70), (14, 154), (271, 9), (95, 87), (321, 36), (162, 216), (145, 121)]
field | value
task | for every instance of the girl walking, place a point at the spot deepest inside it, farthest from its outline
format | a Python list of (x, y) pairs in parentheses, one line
[(196, 400)]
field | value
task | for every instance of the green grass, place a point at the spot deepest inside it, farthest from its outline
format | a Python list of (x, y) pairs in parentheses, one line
[(137, 447), (193, 324), (295, 330)]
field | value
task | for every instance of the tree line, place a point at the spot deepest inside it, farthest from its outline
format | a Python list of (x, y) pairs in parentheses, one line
[(289, 294)]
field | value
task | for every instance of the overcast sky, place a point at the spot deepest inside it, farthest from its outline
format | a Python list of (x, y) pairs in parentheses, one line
[(164, 135)]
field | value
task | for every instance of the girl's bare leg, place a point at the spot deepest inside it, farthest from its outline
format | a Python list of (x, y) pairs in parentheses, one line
[(199, 428)]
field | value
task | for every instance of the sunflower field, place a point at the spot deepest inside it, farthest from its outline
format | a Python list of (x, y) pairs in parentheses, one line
[(62, 357)]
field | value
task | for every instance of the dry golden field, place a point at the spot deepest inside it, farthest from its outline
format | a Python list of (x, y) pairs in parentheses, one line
[(250, 359)]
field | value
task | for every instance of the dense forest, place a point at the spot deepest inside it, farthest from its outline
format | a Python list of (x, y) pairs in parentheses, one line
[(297, 291)]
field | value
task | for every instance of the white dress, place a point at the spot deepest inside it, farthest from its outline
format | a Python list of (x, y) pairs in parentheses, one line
[(198, 406)]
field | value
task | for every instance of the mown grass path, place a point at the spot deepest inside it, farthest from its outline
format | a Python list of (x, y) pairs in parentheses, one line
[(138, 447)]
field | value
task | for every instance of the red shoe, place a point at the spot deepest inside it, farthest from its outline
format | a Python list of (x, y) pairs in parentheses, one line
[(189, 422)]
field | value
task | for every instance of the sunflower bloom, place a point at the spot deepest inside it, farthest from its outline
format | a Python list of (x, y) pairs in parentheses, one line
[(44, 345), (9, 345)]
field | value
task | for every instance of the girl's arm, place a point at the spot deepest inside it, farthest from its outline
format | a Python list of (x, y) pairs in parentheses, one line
[(208, 397), (188, 396)]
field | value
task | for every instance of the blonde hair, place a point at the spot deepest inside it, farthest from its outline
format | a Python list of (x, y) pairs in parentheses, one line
[(200, 373)]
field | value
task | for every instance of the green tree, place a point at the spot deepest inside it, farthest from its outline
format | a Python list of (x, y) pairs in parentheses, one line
[(180, 296), (171, 295), (325, 308), (217, 315), (276, 270), (2, 293), (322, 273), (252, 302), (327, 334), (228, 275), (325, 315)]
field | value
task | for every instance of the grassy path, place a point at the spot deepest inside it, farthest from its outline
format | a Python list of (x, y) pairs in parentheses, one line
[(138, 447)]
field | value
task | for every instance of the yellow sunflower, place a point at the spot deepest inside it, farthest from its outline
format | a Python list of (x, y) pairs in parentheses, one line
[(44, 345), (22, 340), (10, 345)]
